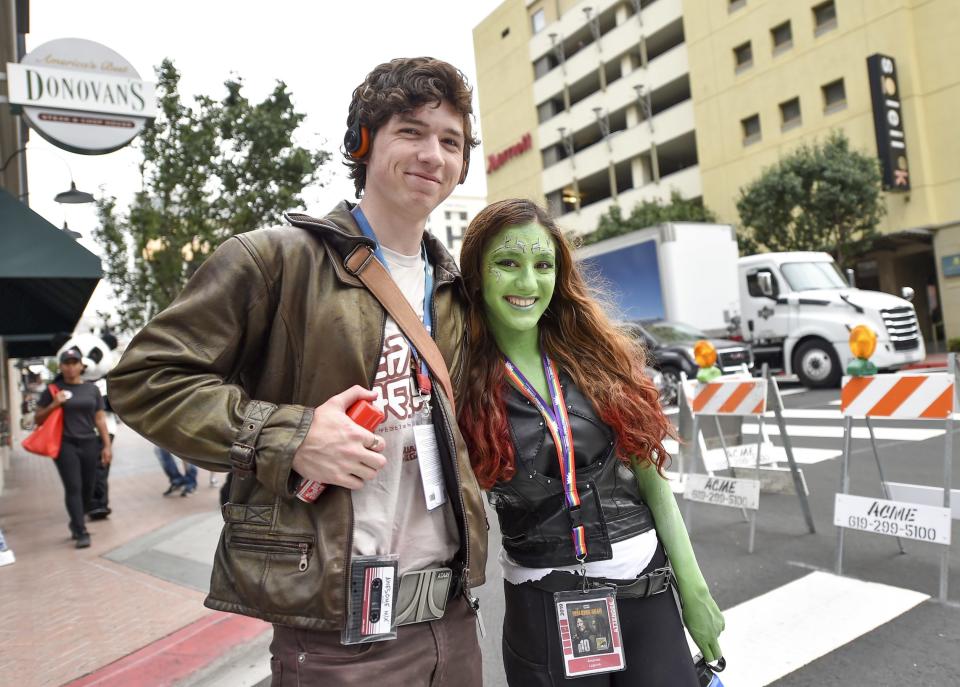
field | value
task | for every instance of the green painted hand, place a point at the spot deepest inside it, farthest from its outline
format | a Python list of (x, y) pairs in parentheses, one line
[(700, 612)]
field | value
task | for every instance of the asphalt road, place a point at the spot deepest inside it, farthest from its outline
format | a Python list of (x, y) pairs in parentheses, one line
[(915, 647)]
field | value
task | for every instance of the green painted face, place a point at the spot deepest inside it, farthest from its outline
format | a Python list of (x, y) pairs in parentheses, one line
[(519, 273)]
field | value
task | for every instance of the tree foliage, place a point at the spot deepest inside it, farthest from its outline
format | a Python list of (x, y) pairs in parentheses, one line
[(209, 171), (821, 197), (646, 214)]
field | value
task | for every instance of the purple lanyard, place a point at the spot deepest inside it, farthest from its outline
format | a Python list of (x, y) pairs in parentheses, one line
[(558, 422)]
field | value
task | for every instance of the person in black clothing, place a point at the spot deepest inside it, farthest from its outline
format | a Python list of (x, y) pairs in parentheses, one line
[(81, 449), (566, 432)]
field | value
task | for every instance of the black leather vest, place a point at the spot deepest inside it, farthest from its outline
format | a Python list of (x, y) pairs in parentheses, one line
[(533, 516)]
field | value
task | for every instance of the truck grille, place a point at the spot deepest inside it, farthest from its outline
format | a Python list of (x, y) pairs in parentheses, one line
[(901, 324), (734, 357)]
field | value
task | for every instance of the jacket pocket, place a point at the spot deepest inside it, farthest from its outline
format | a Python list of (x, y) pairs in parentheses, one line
[(278, 547), (275, 573)]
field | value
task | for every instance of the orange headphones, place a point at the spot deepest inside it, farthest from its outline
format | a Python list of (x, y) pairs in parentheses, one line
[(357, 144)]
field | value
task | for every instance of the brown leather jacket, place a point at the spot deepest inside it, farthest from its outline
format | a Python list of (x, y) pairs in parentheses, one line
[(271, 326)]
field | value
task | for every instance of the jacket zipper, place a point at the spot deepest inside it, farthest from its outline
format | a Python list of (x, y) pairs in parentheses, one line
[(276, 546), (348, 554), (473, 601)]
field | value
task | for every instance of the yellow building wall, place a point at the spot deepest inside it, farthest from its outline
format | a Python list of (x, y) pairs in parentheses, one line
[(923, 36), (505, 92)]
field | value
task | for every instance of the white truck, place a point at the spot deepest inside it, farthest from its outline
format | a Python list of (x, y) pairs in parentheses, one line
[(679, 271), (798, 309), (795, 309)]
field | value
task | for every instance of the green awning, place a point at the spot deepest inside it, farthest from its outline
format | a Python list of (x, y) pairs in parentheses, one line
[(46, 279)]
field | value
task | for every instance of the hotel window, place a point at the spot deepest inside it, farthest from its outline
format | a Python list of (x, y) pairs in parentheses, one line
[(824, 17), (834, 96), (782, 37), (734, 5), (790, 114), (538, 20), (742, 57), (751, 129)]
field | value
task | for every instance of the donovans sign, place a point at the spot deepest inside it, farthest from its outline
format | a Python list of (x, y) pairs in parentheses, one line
[(888, 122), (81, 96)]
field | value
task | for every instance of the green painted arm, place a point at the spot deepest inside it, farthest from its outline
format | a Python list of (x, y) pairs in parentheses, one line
[(700, 612)]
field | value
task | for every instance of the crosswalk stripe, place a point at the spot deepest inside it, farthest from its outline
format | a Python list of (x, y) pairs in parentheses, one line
[(836, 432), (776, 633), (801, 454)]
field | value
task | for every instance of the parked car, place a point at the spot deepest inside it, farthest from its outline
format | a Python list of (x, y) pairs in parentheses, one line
[(671, 350), (657, 378)]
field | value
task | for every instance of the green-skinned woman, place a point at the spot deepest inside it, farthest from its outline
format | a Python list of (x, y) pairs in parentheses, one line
[(565, 431)]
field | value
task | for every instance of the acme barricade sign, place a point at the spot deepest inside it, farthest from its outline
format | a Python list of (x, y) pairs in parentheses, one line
[(81, 95), (893, 518), (723, 491)]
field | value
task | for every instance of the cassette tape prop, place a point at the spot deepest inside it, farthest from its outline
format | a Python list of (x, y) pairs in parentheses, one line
[(370, 608)]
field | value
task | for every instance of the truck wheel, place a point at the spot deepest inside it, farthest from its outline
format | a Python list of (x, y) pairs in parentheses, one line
[(671, 386), (817, 365)]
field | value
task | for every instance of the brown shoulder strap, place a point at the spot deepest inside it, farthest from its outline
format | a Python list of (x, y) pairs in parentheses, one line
[(364, 264)]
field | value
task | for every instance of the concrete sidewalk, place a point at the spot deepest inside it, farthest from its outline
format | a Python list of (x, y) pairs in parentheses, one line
[(128, 610)]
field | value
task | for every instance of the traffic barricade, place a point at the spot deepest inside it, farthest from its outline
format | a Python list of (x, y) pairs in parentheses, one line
[(742, 396), (905, 511)]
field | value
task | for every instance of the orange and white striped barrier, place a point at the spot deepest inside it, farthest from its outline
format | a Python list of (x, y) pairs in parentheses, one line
[(899, 397), (930, 397), (727, 397), (735, 396)]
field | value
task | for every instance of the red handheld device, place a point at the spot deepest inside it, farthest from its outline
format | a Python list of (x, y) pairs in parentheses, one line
[(364, 414)]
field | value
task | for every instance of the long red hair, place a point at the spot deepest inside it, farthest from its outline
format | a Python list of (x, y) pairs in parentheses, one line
[(606, 364)]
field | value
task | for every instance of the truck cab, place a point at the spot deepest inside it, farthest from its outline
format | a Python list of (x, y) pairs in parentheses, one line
[(797, 312)]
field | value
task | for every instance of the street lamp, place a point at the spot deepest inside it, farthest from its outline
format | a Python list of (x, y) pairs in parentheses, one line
[(70, 232), (72, 195), (646, 107), (603, 121), (567, 141), (558, 50), (638, 10)]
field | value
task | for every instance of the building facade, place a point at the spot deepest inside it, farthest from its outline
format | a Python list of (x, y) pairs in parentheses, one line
[(601, 89), (450, 220), (626, 100)]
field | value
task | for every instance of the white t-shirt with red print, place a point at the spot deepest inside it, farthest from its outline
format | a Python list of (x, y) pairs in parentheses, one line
[(390, 513)]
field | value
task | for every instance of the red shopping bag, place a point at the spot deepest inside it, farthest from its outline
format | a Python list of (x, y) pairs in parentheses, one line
[(45, 440)]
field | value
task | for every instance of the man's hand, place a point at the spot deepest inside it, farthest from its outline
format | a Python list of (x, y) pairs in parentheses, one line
[(106, 455), (337, 450)]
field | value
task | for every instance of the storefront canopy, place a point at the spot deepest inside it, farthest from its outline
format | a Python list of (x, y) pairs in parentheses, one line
[(46, 279)]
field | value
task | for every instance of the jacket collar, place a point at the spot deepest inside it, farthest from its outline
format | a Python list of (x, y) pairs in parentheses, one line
[(341, 232)]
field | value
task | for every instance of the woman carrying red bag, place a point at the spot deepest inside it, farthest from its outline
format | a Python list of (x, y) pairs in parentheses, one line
[(83, 419)]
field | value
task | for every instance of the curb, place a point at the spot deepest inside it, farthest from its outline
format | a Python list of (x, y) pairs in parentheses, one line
[(177, 656)]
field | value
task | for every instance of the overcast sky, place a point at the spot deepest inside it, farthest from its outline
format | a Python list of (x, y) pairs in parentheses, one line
[(322, 50)]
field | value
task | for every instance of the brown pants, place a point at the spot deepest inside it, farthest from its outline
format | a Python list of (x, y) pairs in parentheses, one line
[(435, 654)]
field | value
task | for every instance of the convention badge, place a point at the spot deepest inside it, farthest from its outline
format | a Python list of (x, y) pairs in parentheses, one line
[(431, 472), (590, 638), (370, 606)]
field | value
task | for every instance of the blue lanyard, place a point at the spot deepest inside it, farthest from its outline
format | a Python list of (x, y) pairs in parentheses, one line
[(367, 230)]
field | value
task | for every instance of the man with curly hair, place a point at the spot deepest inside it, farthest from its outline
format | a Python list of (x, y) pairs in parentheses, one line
[(255, 364)]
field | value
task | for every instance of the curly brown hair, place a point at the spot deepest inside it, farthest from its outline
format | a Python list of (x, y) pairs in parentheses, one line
[(606, 364), (401, 86)]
